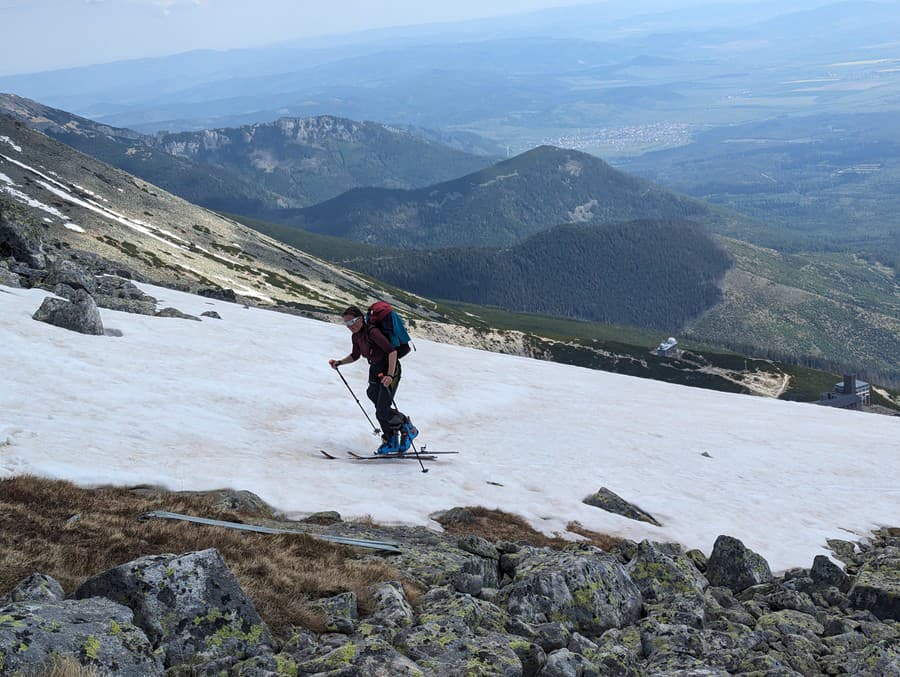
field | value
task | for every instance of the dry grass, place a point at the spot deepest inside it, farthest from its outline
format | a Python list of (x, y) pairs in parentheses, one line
[(66, 666), (497, 525), (282, 574)]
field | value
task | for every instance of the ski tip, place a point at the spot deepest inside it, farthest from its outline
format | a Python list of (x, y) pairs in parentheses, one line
[(327, 455)]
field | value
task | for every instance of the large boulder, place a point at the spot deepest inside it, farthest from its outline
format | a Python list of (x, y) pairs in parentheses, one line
[(588, 591), (80, 314), (662, 572), (98, 633), (190, 606), (733, 565), (877, 585)]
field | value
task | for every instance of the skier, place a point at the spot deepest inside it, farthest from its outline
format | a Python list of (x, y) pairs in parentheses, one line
[(397, 431)]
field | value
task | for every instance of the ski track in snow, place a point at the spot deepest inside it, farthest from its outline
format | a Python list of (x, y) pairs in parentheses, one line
[(247, 401)]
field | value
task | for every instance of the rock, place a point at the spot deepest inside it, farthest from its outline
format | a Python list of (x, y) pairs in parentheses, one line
[(35, 588), (65, 272), (370, 656), (174, 312), (7, 277), (79, 315), (211, 313), (189, 605), (98, 633), (115, 293), (340, 612), (454, 516), (661, 576), (734, 566), (440, 563), (324, 518), (612, 502), (612, 658), (476, 545), (825, 573), (218, 293), (393, 612), (877, 587), (698, 558), (21, 242), (589, 593), (563, 663)]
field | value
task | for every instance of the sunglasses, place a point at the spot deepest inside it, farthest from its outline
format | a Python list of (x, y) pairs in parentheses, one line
[(350, 323)]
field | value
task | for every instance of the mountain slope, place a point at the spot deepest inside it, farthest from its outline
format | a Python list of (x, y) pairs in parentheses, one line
[(71, 202), (247, 401), (500, 205), (287, 163)]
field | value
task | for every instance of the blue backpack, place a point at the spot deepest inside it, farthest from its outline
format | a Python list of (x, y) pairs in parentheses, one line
[(389, 322)]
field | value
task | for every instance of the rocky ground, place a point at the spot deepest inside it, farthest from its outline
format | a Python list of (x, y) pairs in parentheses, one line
[(499, 608)]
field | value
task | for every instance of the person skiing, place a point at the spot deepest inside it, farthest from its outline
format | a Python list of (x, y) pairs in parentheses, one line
[(397, 431)]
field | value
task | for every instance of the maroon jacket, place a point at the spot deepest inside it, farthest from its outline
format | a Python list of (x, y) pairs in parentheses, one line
[(371, 343)]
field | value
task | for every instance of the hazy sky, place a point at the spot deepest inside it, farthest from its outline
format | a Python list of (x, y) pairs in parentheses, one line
[(39, 35)]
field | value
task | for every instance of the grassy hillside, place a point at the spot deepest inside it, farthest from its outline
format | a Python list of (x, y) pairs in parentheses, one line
[(827, 310), (500, 205)]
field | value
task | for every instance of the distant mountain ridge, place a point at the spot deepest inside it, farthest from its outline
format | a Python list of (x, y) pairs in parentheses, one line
[(500, 205), (292, 162), (308, 160)]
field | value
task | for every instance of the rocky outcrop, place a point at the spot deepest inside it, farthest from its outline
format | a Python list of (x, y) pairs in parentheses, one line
[(488, 609), (190, 606), (97, 632), (115, 293), (80, 314)]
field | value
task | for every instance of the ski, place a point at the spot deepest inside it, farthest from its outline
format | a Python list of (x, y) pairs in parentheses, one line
[(402, 457), (327, 455)]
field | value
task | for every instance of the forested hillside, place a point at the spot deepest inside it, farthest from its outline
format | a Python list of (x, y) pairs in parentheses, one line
[(647, 273), (500, 205)]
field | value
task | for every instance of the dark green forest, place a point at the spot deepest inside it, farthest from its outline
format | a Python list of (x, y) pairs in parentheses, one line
[(648, 273)]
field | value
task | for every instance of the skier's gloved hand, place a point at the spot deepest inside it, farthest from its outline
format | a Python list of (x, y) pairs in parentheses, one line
[(334, 364)]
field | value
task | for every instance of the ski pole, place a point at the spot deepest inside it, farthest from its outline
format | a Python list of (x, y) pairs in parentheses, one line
[(375, 431), (411, 443)]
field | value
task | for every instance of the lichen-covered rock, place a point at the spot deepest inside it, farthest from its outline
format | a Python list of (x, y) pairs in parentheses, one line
[(98, 633), (790, 622), (825, 573), (80, 314), (456, 655), (588, 592), (35, 588), (662, 575), (189, 605), (877, 586), (441, 563), (882, 658), (324, 517), (392, 609), (735, 566), (608, 500), (341, 612), (613, 658)]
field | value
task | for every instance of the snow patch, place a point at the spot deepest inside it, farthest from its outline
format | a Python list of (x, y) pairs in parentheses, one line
[(8, 140), (5, 179), (31, 202), (73, 227)]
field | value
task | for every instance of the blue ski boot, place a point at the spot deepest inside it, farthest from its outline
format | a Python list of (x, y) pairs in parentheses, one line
[(408, 432), (389, 445)]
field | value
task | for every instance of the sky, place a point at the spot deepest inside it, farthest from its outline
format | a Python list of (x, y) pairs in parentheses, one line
[(53, 34), (247, 401)]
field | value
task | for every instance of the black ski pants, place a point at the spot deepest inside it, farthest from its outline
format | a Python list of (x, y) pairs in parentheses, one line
[(388, 418)]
